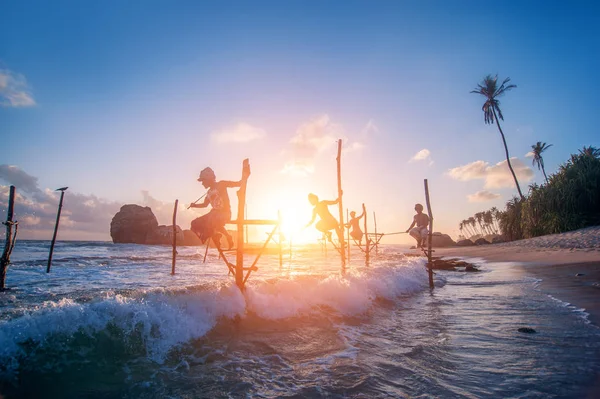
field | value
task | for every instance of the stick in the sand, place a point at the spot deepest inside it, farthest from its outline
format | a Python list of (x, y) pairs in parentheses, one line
[(367, 250), (340, 230), (9, 244), (429, 264), (174, 237), (62, 194)]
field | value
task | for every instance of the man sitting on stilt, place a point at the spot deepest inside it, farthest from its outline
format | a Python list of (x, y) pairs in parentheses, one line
[(212, 225), (420, 232), (327, 222), (356, 233)]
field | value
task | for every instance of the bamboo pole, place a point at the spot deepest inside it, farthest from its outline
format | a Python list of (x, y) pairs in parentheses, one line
[(376, 236), (429, 263), (62, 194), (9, 241), (367, 250), (174, 237), (348, 234), (340, 232), (239, 261), (206, 250)]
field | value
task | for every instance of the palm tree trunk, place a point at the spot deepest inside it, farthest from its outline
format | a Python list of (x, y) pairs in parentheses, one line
[(508, 156), (544, 170)]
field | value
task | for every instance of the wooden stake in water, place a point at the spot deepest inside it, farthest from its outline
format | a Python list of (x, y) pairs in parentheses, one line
[(62, 195), (429, 263), (239, 261), (174, 237), (340, 231), (348, 235), (9, 242), (367, 249)]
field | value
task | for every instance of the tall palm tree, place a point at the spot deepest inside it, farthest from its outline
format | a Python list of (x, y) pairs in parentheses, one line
[(491, 111), (537, 150)]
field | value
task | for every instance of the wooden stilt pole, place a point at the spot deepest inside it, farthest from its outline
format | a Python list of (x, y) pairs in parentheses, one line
[(376, 236), (348, 235), (62, 194), (280, 239), (429, 263), (340, 231), (9, 241), (206, 250), (239, 261), (246, 217), (174, 237), (367, 249)]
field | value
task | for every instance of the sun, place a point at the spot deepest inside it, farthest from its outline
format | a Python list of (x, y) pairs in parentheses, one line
[(293, 226)]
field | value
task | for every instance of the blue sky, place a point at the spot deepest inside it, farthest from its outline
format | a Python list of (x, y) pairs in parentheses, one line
[(125, 102)]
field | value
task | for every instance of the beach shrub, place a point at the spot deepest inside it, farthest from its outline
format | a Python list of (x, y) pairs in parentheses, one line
[(569, 201)]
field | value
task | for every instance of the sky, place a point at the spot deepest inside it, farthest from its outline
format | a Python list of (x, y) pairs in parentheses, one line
[(125, 102)]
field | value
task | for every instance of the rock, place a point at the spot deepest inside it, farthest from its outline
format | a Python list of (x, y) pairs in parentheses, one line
[(439, 240), (163, 235), (465, 243), (527, 330), (481, 241), (579, 275), (132, 224), (190, 238)]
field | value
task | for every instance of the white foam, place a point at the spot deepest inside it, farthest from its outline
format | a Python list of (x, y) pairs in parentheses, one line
[(350, 295)]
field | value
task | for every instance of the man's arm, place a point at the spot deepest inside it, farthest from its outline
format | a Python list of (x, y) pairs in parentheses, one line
[(314, 216), (411, 225), (202, 205), (228, 184), (331, 202)]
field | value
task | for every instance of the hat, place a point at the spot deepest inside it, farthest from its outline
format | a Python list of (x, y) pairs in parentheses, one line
[(207, 174)]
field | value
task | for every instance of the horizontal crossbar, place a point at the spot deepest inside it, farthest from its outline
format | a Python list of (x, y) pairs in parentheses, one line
[(256, 222)]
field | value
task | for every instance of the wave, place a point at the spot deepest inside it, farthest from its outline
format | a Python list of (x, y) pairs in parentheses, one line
[(158, 321)]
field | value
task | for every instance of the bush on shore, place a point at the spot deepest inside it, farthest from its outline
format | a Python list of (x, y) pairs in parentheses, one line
[(569, 201)]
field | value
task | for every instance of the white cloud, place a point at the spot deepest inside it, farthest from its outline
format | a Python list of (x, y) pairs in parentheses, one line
[(529, 154), (311, 138), (14, 91), (423, 155), (482, 196), (240, 133), (495, 176), (369, 130)]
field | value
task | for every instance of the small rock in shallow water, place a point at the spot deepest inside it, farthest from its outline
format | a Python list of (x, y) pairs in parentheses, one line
[(527, 330), (579, 275)]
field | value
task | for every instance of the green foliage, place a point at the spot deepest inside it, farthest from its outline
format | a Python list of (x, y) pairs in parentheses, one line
[(569, 201)]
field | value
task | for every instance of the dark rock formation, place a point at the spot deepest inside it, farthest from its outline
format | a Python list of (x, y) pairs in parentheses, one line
[(465, 243), (163, 235), (132, 224), (439, 240), (527, 330), (481, 241)]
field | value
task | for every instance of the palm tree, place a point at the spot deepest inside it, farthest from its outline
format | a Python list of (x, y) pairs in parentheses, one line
[(537, 150), (491, 111)]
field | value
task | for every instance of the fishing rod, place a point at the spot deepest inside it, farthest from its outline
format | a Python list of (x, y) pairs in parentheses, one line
[(204, 195)]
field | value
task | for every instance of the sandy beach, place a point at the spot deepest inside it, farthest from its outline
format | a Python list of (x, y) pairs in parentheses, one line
[(568, 264)]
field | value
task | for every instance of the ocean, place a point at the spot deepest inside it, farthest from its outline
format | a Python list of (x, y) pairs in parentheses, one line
[(110, 321)]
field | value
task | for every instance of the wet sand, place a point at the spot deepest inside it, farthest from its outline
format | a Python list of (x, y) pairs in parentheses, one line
[(571, 275)]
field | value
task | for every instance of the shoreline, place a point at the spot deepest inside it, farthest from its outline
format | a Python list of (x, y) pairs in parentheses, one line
[(569, 274)]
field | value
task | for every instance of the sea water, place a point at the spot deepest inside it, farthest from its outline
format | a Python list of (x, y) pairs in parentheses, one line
[(110, 321)]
